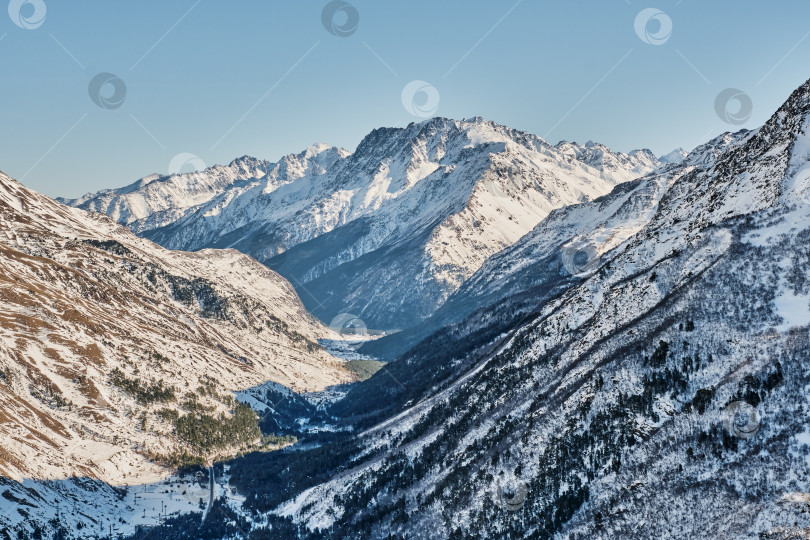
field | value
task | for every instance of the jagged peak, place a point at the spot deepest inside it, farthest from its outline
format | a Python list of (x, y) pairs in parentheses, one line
[(318, 147), (642, 151), (789, 117), (591, 151), (321, 153), (475, 120), (798, 102), (244, 160), (675, 156), (449, 127)]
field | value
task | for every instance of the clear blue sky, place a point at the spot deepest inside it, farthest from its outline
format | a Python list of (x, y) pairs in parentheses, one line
[(193, 69)]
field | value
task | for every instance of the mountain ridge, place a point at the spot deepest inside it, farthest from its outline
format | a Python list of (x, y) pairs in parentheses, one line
[(407, 216), (613, 399), (582, 377), (96, 319)]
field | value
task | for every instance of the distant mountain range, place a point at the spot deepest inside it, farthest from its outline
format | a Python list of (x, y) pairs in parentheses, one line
[(386, 233), (592, 345), (633, 367)]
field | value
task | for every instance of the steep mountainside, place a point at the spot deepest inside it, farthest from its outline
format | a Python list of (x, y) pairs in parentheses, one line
[(563, 248), (108, 342), (388, 232), (672, 376)]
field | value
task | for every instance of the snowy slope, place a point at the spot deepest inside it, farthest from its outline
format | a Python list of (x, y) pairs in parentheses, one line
[(659, 310), (389, 231), (541, 263), (676, 156), (590, 229), (616, 399), (83, 297)]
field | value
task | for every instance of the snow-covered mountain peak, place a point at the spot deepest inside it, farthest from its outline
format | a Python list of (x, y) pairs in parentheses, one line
[(614, 394), (315, 160), (600, 157), (422, 206), (676, 156), (247, 165), (320, 148)]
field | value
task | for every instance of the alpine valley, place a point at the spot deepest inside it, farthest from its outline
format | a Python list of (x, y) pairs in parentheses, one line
[(496, 337), (386, 233)]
